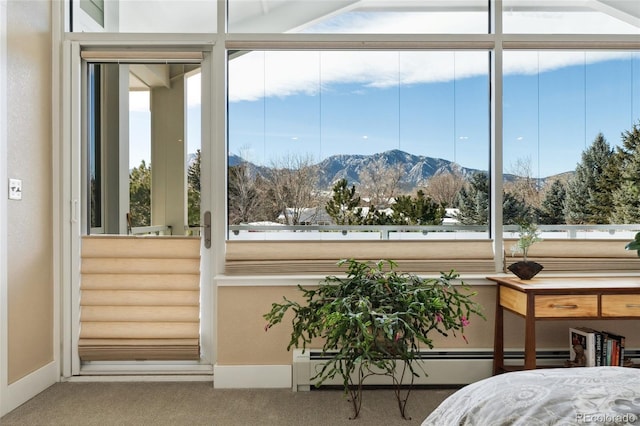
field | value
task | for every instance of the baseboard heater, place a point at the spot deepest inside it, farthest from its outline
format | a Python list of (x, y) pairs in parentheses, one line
[(452, 367)]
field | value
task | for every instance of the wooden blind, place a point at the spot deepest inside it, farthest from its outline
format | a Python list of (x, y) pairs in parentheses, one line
[(140, 298), (320, 257)]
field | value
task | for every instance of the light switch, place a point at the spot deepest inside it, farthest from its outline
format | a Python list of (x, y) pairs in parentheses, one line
[(15, 189)]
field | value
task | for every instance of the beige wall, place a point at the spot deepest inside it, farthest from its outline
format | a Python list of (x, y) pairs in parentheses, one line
[(29, 239), (243, 341)]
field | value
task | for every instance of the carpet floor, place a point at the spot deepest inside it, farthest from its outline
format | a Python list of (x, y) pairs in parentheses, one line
[(198, 403)]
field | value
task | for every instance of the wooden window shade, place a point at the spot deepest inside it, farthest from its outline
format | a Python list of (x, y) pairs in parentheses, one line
[(140, 298), (320, 257), (564, 255)]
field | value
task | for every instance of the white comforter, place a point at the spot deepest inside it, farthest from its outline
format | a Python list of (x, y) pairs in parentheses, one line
[(560, 396)]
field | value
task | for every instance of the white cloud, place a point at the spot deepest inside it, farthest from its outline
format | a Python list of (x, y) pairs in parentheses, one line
[(284, 73)]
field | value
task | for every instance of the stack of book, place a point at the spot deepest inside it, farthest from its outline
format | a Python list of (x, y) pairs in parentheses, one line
[(593, 348)]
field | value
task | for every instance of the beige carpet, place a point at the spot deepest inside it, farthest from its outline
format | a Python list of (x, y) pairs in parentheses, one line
[(197, 403)]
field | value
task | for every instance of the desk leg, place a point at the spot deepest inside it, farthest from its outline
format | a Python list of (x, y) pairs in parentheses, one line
[(498, 337), (530, 337)]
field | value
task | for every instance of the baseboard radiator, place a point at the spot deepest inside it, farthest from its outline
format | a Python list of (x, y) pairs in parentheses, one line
[(454, 367)]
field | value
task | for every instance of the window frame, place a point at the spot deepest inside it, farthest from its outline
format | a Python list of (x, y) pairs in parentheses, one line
[(495, 41)]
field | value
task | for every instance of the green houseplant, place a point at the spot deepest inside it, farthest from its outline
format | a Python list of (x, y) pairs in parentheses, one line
[(525, 269), (374, 320)]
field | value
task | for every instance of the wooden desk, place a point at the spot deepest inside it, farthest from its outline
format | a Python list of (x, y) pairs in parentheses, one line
[(560, 299)]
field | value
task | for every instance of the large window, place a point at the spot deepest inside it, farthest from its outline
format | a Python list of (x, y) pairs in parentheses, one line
[(354, 138), (570, 135), (382, 119)]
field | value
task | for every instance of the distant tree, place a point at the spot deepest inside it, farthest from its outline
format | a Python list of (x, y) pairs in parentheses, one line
[(604, 193), (516, 210), (342, 204), (380, 182), (473, 201), (524, 186), (292, 188), (626, 199), (551, 210), (140, 195), (245, 201), (421, 210), (443, 188), (473, 204), (582, 199), (193, 191), (372, 216)]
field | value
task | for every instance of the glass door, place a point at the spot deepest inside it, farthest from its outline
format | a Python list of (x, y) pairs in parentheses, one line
[(140, 298)]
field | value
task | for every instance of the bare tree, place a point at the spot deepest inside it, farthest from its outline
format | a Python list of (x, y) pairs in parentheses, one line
[(292, 188), (244, 195), (443, 188), (380, 182), (524, 186)]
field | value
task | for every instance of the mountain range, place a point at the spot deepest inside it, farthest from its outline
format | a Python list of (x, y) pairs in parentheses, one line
[(417, 169)]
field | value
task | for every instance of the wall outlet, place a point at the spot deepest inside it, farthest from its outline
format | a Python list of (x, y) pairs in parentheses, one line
[(15, 189)]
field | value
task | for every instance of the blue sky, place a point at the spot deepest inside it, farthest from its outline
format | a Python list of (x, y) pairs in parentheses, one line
[(550, 117)]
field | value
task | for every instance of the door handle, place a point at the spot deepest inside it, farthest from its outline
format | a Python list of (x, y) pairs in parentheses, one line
[(207, 229)]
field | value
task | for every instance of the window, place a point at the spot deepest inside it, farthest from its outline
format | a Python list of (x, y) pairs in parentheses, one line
[(149, 16), (136, 113), (405, 129), (316, 89), (570, 17), (362, 17), (566, 116), (95, 150)]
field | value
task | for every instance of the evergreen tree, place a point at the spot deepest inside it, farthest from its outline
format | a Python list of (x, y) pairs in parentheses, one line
[(551, 211), (516, 210), (473, 204), (193, 191), (626, 199), (373, 216), (341, 207), (585, 202), (421, 210), (606, 186), (473, 201), (140, 195)]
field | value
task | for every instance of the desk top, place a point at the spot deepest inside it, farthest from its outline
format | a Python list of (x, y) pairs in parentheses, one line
[(567, 284)]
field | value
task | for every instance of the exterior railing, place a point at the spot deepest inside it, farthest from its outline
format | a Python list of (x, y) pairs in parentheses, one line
[(151, 230), (399, 232)]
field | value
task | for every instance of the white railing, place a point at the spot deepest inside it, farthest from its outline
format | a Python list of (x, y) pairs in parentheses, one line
[(407, 232), (151, 230)]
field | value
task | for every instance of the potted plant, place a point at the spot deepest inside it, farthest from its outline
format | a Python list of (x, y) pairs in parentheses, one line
[(635, 244), (374, 320), (525, 269)]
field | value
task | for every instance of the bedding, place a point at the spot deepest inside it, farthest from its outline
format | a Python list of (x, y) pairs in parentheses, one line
[(555, 396)]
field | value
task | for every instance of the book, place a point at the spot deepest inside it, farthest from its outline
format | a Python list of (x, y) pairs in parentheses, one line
[(594, 346), (591, 348), (581, 348), (617, 346)]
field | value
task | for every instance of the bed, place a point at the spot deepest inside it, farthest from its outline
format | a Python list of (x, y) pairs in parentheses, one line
[(555, 396)]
